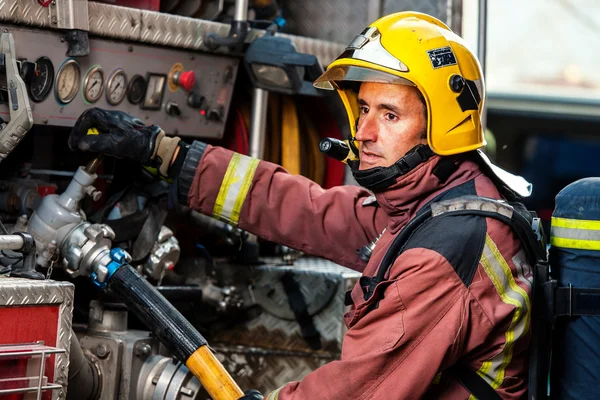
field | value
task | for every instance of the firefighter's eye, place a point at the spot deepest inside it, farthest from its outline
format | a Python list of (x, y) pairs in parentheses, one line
[(391, 117)]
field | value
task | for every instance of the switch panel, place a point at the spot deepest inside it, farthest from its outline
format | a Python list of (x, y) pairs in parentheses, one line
[(131, 77)]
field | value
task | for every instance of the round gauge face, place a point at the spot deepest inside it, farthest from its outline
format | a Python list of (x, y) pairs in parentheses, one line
[(93, 84), (136, 89), (116, 87), (42, 80), (67, 81)]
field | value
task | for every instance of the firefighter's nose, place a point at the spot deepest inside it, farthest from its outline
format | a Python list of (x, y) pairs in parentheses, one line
[(366, 130)]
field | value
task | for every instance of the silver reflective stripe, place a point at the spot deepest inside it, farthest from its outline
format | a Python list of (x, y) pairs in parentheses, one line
[(373, 51), (499, 272), (578, 234)]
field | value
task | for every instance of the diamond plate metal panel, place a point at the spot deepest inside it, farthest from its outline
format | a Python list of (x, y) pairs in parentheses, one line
[(17, 291), (171, 30), (182, 32), (114, 22), (266, 370), (28, 12), (280, 330)]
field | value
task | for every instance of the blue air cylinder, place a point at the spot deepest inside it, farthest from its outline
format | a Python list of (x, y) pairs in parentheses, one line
[(575, 261)]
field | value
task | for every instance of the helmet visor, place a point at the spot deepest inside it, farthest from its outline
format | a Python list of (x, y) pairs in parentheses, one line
[(349, 73)]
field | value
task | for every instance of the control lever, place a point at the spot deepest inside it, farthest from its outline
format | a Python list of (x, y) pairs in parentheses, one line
[(21, 118)]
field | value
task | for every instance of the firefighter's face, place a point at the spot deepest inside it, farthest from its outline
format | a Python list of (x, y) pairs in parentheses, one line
[(392, 121)]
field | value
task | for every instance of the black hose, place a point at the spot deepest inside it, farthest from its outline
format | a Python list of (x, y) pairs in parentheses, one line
[(84, 377), (164, 320)]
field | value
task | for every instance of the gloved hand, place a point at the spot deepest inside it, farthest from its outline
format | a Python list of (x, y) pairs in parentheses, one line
[(118, 134), (252, 394)]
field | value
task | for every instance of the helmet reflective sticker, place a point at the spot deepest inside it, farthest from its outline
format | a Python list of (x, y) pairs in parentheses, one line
[(442, 57)]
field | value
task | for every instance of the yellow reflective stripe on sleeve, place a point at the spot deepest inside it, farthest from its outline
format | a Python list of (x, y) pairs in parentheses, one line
[(575, 233), (234, 188), (588, 225), (575, 243), (511, 293)]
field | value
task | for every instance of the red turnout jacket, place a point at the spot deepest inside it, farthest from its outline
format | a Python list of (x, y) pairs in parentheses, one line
[(458, 293)]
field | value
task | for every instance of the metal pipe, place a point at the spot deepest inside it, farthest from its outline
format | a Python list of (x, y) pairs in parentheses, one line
[(482, 32), (11, 242), (374, 10), (482, 48), (84, 377), (241, 10), (258, 123), (55, 172), (93, 165)]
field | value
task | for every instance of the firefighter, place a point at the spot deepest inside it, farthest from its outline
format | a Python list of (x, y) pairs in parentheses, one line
[(455, 305)]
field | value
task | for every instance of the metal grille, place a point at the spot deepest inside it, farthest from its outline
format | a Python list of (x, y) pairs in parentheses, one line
[(341, 20), (265, 370), (29, 384), (17, 291)]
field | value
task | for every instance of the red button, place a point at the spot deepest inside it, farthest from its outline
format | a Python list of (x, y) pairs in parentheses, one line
[(44, 3), (187, 80)]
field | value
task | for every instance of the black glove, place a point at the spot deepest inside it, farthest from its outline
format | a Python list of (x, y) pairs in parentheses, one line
[(118, 134), (252, 394)]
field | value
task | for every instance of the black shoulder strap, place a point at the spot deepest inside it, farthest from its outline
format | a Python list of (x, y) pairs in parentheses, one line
[(474, 383), (526, 227)]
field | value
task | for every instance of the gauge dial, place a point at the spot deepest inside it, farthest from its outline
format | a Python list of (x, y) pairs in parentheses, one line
[(116, 87), (93, 84), (67, 81), (136, 89), (43, 78)]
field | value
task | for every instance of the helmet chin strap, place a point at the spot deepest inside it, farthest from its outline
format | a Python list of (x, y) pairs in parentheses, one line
[(380, 178)]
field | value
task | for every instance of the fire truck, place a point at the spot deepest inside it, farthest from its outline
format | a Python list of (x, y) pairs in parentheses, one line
[(233, 73)]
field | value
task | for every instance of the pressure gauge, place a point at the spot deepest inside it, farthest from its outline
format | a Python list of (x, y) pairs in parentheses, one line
[(42, 80), (67, 81), (116, 87), (93, 84), (136, 89)]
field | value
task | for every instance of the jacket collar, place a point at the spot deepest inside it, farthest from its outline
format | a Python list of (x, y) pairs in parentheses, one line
[(412, 191)]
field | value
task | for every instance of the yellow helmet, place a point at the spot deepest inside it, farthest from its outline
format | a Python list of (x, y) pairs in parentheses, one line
[(416, 49)]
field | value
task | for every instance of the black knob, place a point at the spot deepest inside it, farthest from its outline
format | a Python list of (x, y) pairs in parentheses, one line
[(27, 70), (173, 109), (215, 114), (195, 100), (457, 83)]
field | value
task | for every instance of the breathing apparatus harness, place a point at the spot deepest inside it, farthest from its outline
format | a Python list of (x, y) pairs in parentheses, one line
[(528, 229)]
